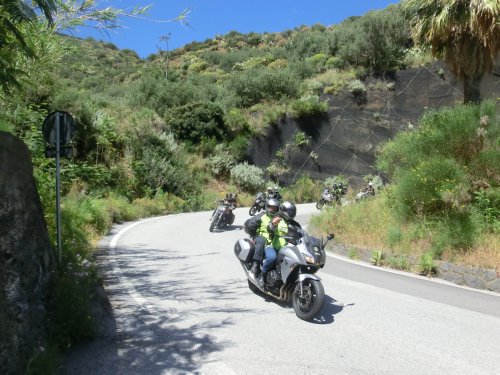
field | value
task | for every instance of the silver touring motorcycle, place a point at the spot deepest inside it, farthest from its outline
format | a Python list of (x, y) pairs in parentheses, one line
[(294, 275)]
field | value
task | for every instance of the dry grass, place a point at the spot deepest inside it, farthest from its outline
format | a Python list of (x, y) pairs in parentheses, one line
[(485, 254), (370, 225)]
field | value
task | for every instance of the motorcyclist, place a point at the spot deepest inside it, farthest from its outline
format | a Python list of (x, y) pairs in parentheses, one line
[(273, 193), (269, 193), (268, 241), (288, 210), (370, 189), (230, 200)]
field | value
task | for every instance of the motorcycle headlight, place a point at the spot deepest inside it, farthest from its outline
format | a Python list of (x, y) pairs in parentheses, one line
[(309, 260)]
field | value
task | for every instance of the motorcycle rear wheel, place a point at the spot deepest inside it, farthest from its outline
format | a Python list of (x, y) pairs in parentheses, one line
[(307, 305), (253, 210), (214, 222)]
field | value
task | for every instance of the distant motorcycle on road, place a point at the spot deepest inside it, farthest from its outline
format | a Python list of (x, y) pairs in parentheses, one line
[(259, 204), (222, 216), (331, 197), (365, 193)]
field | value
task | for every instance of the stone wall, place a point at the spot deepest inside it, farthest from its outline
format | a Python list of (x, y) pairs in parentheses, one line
[(25, 258), (471, 276)]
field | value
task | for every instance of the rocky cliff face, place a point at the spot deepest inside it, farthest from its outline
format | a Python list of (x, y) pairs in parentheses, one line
[(25, 258), (345, 139)]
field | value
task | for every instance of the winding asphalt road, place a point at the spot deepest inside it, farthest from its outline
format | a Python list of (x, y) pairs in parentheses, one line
[(180, 304)]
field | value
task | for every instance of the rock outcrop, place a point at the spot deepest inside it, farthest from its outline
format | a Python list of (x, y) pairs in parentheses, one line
[(345, 139), (25, 258)]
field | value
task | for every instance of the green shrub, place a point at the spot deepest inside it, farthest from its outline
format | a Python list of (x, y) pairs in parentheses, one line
[(236, 121), (248, 177), (488, 203), (357, 88), (275, 170), (429, 187), (377, 257), (309, 43), (197, 67), (335, 62), (221, 164), (353, 253), (377, 41), (301, 140), (318, 61), (336, 180), (256, 85), (303, 190), (394, 236), (238, 146), (195, 121), (464, 133), (399, 262), (308, 106), (426, 264)]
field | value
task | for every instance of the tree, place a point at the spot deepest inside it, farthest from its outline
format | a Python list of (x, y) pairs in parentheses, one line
[(13, 14), (466, 33)]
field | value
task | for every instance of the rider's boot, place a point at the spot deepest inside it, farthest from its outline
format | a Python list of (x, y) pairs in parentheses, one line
[(262, 280), (255, 270)]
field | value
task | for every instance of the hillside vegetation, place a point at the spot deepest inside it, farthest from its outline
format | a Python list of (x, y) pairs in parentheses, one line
[(170, 133)]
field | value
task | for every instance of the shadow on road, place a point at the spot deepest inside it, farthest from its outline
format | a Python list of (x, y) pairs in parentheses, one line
[(142, 339), (228, 228), (331, 307)]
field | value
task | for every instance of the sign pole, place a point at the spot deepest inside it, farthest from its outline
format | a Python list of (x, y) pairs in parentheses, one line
[(57, 129), (58, 183)]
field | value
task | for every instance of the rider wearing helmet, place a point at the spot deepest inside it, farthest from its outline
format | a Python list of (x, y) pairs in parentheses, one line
[(288, 212), (269, 240), (269, 192)]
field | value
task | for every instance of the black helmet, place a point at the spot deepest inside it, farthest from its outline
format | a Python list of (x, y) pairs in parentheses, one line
[(272, 207), (289, 209)]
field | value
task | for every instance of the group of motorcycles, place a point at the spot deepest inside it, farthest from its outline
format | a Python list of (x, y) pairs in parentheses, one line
[(223, 215), (332, 196), (294, 276)]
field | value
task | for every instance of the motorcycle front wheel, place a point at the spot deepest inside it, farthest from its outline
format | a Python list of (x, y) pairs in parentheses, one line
[(214, 222), (253, 210), (319, 205), (307, 305)]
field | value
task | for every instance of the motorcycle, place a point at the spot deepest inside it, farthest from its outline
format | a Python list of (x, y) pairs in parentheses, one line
[(327, 199), (259, 204), (364, 195), (222, 215), (332, 196), (294, 275)]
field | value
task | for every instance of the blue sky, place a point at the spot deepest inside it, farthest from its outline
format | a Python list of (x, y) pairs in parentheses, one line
[(208, 18)]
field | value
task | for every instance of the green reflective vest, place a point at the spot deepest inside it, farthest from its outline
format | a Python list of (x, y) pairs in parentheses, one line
[(274, 237)]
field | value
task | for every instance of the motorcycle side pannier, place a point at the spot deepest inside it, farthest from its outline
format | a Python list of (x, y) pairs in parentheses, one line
[(244, 249)]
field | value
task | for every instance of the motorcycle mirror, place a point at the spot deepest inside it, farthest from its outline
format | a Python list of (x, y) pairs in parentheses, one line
[(329, 237)]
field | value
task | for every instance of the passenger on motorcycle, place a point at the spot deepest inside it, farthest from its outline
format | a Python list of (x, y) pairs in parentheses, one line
[(268, 241), (288, 211)]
